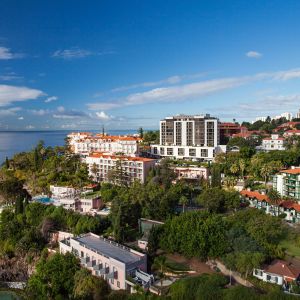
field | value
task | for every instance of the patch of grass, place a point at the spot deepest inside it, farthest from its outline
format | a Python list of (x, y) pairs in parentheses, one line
[(175, 266), (291, 247)]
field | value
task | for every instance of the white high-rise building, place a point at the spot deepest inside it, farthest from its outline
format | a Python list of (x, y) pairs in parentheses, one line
[(298, 114), (263, 119), (189, 137)]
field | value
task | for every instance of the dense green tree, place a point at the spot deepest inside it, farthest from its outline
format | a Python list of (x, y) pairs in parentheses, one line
[(54, 277), (89, 287)]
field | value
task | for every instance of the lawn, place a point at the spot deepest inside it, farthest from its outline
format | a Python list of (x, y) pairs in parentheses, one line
[(176, 266), (291, 247)]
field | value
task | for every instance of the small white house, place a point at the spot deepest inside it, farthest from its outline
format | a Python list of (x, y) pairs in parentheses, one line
[(273, 143), (279, 272)]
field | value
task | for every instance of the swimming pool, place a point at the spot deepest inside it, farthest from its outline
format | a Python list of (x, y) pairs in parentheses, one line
[(43, 199)]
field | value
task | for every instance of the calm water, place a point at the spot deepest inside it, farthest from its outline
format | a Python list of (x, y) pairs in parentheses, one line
[(12, 142)]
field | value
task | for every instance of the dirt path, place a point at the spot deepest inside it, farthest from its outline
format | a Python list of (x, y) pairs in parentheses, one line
[(194, 264)]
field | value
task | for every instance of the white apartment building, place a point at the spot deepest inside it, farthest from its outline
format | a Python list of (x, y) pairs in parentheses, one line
[(287, 183), (263, 119), (121, 266), (298, 114), (85, 144), (189, 137), (275, 142), (130, 168), (286, 115)]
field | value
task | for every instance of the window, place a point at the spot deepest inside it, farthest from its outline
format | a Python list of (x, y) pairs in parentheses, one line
[(155, 150), (192, 152), (204, 153), (268, 277), (162, 150), (118, 284), (181, 151), (169, 151)]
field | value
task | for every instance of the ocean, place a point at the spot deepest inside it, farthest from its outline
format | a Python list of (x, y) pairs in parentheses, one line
[(12, 142)]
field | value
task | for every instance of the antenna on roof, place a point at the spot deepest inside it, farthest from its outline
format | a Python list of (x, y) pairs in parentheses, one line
[(103, 130)]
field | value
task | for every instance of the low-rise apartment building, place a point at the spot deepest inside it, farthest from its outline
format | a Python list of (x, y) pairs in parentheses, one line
[(127, 145), (275, 142), (121, 266), (287, 183), (122, 168), (290, 209)]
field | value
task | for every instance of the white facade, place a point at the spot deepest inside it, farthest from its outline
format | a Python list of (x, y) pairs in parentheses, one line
[(189, 137), (109, 260), (133, 168), (273, 143), (268, 277), (85, 144), (263, 119)]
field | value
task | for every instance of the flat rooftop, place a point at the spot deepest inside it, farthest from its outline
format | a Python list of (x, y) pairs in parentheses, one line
[(109, 248)]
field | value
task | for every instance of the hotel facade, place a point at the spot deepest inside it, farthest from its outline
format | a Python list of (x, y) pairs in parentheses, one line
[(122, 267), (189, 137), (85, 143), (130, 168)]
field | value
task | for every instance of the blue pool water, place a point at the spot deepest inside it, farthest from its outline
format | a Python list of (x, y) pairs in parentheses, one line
[(44, 200)]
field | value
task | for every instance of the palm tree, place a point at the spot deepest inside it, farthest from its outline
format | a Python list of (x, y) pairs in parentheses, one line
[(234, 169), (242, 166), (95, 170), (183, 201), (160, 265), (275, 199)]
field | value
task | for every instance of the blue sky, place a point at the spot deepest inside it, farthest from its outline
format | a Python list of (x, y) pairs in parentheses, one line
[(125, 64)]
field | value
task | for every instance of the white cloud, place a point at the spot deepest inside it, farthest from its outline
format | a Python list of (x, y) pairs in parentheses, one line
[(50, 99), (9, 111), (72, 53), (6, 54), (167, 81), (192, 90), (10, 76), (10, 94), (287, 75), (60, 109), (103, 116), (62, 113), (103, 105), (39, 112), (253, 54), (29, 127), (21, 118)]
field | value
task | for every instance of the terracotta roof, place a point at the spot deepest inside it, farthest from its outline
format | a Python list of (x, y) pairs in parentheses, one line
[(290, 204), (270, 139), (130, 158), (255, 194), (283, 268), (291, 171), (292, 131)]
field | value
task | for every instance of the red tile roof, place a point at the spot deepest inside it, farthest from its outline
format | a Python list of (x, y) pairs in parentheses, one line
[(255, 194), (289, 204), (130, 158), (283, 268), (291, 171)]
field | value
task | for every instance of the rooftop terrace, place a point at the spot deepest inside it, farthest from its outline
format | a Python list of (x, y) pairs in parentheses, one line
[(109, 248)]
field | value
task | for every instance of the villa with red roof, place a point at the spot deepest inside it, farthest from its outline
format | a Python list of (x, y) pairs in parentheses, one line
[(275, 142), (279, 272)]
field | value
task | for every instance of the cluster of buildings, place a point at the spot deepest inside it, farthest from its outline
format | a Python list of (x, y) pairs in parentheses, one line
[(84, 201)]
